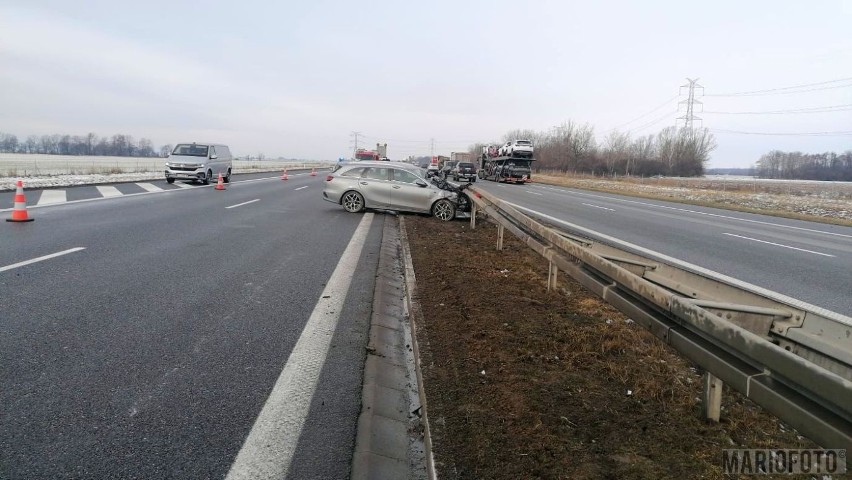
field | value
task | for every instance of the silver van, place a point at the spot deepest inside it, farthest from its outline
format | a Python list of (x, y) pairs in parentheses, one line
[(199, 161)]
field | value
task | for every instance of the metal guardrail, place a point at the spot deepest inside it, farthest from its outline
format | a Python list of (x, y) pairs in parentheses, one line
[(792, 358)]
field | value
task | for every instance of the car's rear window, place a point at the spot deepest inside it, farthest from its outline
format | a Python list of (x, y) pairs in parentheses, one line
[(354, 172), (465, 165), (523, 142)]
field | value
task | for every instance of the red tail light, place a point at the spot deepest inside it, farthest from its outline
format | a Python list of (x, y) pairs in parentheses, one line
[(328, 178)]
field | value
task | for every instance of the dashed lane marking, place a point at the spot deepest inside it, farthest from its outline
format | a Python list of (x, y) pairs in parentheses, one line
[(778, 244), (244, 203), (52, 196), (598, 206), (41, 259), (149, 187), (300, 188), (108, 191)]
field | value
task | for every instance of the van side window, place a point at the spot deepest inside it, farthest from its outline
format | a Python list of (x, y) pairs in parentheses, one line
[(212, 152)]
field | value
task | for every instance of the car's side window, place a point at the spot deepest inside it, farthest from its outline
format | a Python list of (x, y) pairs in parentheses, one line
[(212, 152), (404, 177), (375, 173), (355, 172)]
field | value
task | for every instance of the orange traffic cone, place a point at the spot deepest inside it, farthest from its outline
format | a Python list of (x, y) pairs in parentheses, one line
[(19, 212), (313, 172), (221, 184), (284, 176)]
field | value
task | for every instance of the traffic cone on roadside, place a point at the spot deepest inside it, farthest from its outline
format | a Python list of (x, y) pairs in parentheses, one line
[(19, 212), (221, 184), (313, 172), (284, 176)]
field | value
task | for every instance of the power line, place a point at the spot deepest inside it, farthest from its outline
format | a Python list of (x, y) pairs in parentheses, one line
[(825, 109), (787, 90), (652, 122), (798, 134), (643, 115)]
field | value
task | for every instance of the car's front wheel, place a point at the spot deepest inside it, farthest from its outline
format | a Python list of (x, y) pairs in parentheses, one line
[(170, 180), (207, 177), (353, 202), (444, 210)]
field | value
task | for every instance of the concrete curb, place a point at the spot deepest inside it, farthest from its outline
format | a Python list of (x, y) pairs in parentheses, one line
[(390, 443)]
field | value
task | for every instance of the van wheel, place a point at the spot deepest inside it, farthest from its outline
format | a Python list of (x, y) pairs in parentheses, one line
[(353, 202), (170, 180), (207, 177), (227, 178), (444, 210)]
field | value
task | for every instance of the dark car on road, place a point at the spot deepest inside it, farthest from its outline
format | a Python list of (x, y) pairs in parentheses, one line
[(464, 171)]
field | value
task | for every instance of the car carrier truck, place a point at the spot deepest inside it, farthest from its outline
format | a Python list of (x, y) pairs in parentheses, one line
[(504, 168)]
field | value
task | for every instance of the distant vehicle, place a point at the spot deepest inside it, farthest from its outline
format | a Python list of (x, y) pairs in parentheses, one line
[(464, 171), (362, 154), (517, 149), (489, 151), (202, 162), (395, 186), (461, 156), (447, 168), (506, 169), (433, 168)]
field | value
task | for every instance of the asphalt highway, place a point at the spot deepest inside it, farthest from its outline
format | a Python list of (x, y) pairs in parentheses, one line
[(151, 349), (804, 260)]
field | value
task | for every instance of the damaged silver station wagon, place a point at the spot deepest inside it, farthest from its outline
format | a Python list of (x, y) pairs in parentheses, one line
[(393, 186)]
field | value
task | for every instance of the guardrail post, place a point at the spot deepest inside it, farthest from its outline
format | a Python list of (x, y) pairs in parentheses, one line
[(499, 237), (552, 270), (473, 216), (712, 397)]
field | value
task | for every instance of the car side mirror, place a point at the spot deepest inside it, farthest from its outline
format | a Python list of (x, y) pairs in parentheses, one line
[(213, 157), (421, 184)]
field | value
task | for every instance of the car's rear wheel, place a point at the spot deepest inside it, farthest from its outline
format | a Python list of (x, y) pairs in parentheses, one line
[(444, 210), (353, 202), (227, 178)]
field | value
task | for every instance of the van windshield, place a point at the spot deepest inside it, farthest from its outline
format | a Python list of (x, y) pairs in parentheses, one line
[(190, 150)]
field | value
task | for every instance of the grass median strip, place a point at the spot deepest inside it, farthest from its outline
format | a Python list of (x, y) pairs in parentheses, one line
[(523, 383)]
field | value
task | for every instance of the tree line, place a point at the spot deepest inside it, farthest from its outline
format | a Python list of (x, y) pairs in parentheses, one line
[(573, 148), (804, 166), (119, 145)]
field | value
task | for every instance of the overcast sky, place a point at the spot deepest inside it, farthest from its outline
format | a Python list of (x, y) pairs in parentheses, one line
[(295, 78)]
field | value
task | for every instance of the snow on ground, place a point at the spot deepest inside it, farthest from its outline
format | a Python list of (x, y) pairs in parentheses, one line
[(72, 179)]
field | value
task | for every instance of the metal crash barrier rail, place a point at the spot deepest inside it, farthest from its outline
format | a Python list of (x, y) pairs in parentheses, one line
[(792, 358)]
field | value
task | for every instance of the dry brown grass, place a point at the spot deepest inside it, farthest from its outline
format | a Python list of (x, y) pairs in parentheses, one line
[(571, 388)]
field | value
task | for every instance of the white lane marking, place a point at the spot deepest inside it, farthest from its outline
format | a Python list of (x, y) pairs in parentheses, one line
[(271, 443), (181, 184), (534, 193), (40, 259), (693, 267), (708, 214), (150, 187), (598, 206), (297, 189), (52, 196), (108, 191), (244, 203), (778, 245)]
